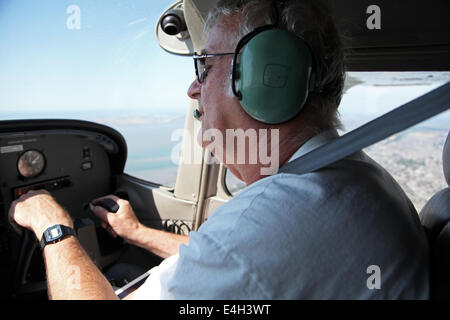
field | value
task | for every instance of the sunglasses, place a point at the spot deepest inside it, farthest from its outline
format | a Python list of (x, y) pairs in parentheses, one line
[(200, 62)]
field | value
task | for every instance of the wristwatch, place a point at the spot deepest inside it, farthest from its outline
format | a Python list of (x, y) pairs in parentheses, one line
[(55, 234)]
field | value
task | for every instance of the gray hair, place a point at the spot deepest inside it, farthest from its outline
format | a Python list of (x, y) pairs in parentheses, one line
[(312, 20)]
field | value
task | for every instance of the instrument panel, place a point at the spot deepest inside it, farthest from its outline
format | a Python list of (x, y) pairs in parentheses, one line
[(70, 165), (74, 160)]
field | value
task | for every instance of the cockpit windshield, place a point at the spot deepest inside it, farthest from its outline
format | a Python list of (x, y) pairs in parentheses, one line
[(98, 61)]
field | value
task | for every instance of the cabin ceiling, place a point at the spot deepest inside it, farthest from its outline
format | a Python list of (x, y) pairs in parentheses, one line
[(381, 35)]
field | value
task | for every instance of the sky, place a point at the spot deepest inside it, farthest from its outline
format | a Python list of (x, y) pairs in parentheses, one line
[(112, 62)]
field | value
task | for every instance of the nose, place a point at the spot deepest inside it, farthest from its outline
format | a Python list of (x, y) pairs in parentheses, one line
[(194, 90)]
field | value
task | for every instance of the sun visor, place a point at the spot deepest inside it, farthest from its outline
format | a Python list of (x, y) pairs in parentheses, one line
[(180, 27)]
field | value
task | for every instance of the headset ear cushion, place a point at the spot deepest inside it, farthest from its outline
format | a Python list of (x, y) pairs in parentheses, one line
[(274, 76), (235, 69)]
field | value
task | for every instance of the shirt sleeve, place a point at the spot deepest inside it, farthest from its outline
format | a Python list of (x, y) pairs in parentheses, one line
[(154, 287)]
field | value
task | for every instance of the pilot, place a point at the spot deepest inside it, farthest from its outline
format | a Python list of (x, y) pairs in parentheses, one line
[(346, 231)]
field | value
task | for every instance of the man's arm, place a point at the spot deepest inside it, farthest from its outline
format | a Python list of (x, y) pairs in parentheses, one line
[(70, 272), (72, 275), (161, 243), (125, 224)]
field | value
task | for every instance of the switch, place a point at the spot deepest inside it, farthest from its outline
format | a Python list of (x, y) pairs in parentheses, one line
[(86, 165), (86, 153)]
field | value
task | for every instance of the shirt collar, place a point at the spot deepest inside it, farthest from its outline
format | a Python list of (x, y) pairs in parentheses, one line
[(315, 142)]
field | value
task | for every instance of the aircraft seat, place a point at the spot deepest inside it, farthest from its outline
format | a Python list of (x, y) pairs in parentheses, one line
[(435, 217)]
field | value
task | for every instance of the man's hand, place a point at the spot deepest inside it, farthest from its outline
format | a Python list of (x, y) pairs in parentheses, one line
[(123, 223), (37, 211)]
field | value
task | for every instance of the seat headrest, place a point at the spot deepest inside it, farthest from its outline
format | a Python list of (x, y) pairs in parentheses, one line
[(436, 212), (446, 159)]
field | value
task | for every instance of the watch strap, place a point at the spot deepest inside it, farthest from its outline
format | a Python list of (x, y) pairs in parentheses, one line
[(43, 242), (65, 232)]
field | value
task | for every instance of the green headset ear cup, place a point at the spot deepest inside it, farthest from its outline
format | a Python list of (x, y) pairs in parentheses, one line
[(274, 74)]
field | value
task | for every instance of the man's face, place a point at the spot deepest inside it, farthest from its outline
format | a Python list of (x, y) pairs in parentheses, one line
[(219, 110), (238, 145)]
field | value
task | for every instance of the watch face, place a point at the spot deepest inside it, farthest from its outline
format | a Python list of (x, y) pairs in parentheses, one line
[(53, 233)]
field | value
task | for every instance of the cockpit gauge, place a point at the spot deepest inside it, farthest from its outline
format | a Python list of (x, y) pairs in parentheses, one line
[(31, 164)]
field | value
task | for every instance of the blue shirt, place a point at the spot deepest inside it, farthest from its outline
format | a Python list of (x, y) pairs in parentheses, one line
[(346, 231)]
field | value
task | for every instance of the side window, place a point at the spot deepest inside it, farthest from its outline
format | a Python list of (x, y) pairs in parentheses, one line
[(151, 146), (413, 157)]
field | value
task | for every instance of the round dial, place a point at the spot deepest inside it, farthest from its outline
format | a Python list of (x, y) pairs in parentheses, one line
[(31, 163)]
